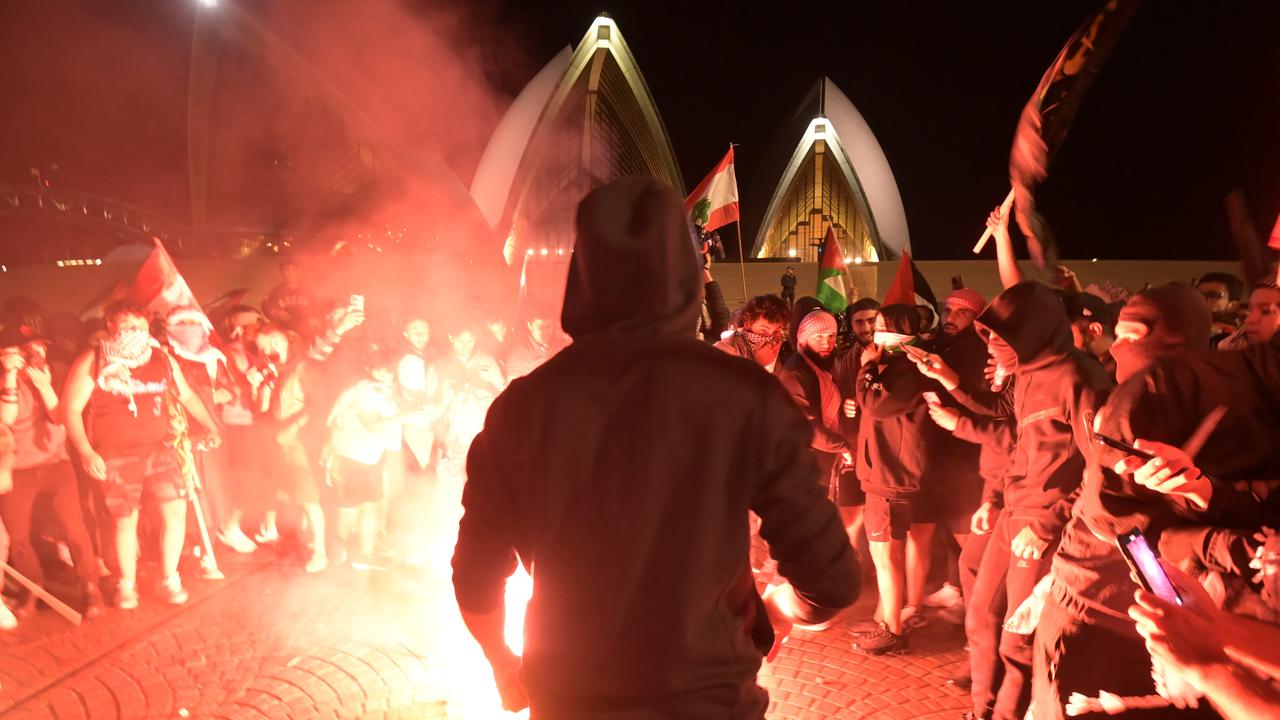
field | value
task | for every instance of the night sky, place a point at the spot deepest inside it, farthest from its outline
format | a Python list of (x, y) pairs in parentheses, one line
[(1186, 109)]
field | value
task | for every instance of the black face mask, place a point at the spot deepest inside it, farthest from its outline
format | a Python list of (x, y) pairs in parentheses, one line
[(823, 363)]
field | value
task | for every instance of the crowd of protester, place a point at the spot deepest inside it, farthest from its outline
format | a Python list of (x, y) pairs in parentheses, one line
[(976, 442), (960, 448), (331, 436)]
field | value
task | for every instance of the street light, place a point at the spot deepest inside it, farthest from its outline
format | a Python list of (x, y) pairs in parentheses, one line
[(208, 3)]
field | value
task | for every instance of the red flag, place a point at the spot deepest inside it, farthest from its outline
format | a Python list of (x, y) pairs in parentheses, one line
[(159, 286), (1274, 241), (909, 286), (714, 203)]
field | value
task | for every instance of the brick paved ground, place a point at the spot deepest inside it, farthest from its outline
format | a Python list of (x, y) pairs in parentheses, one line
[(271, 642)]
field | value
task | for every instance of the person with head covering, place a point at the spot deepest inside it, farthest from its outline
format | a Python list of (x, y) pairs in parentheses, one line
[(189, 335), (1170, 382), (891, 462), (951, 488), (807, 376), (1056, 391), (628, 499)]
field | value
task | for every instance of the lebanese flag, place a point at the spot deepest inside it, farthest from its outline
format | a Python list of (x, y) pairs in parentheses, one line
[(831, 273), (714, 203), (909, 286), (158, 286)]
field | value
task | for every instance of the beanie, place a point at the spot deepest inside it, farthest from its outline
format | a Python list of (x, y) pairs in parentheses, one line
[(816, 322), (968, 299)]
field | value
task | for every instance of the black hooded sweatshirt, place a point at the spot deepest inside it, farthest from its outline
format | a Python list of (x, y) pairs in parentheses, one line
[(1056, 393), (621, 473), (1167, 403)]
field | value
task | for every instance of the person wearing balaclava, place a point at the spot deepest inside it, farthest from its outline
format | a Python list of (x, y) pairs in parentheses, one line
[(890, 467), (190, 338), (1056, 391), (128, 384), (1170, 383), (629, 502)]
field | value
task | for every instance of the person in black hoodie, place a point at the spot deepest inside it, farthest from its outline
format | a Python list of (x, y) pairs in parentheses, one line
[(629, 506), (1056, 392), (891, 458), (1170, 382)]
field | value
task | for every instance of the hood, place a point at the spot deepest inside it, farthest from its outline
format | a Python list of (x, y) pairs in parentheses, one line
[(1183, 315), (1031, 318), (634, 269)]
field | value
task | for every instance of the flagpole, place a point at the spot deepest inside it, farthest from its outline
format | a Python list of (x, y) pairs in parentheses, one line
[(742, 262)]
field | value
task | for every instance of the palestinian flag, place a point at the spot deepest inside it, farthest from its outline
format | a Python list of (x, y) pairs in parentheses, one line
[(1047, 117), (714, 203), (831, 275), (909, 286)]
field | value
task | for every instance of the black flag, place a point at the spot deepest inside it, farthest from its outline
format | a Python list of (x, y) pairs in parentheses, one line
[(1047, 117)]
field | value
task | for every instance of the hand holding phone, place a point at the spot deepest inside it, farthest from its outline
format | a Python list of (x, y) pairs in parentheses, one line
[(1146, 566), (1123, 447)]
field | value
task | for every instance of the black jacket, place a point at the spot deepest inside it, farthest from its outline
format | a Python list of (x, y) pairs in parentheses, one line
[(1167, 403), (891, 436), (802, 384), (952, 464), (1056, 393), (601, 472)]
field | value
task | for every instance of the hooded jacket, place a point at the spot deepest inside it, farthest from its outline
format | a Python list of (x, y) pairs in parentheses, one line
[(891, 436), (1057, 390), (952, 467), (1166, 403), (627, 498)]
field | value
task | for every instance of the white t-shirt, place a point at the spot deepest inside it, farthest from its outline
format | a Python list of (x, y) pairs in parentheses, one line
[(349, 437)]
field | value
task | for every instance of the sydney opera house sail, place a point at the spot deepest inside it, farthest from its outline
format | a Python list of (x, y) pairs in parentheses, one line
[(826, 169), (588, 117)]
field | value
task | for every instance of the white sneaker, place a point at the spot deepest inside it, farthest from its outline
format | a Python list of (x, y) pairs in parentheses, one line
[(267, 535), (127, 595), (7, 619), (209, 569), (317, 563), (237, 540), (947, 596), (172, 591)]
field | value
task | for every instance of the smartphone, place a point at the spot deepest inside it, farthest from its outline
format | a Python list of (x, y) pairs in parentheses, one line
[(356, 302), (1122, 446), (931, 398), (1142, 560)]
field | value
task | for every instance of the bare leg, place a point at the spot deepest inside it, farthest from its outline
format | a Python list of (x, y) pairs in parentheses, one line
[(852, 519), (173, 533), (126, 542), (889, 561), (314, 515), (919, 547), (368, 528)]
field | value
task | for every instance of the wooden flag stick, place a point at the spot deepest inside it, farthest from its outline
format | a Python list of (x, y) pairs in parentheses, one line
[(1005, 207), (60, 607), (742, 260)]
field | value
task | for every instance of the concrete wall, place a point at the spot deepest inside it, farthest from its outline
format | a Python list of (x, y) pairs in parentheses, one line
[(874, 279), (77, 288)]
